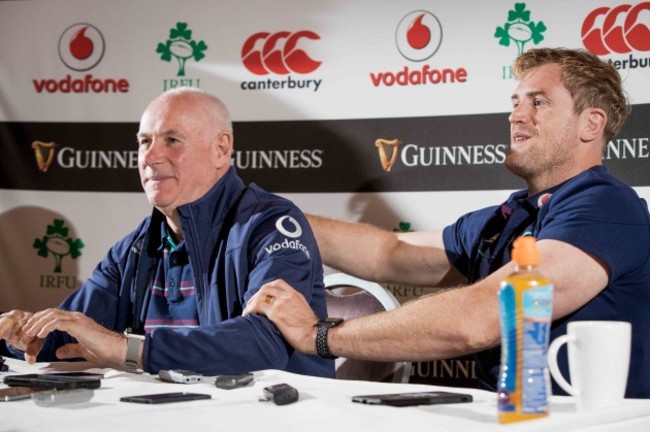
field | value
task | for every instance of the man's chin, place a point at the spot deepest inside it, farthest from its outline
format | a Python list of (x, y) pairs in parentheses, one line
[(513, 165), (158, 201)]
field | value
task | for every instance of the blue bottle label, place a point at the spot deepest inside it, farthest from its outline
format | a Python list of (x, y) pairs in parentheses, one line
[(537, 310), (507, 374), (535, 314)]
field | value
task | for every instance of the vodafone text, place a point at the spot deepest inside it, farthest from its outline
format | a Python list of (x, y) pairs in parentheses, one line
[(288, 244)]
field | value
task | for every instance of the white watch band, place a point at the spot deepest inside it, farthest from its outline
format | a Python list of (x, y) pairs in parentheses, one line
[(133, 342)]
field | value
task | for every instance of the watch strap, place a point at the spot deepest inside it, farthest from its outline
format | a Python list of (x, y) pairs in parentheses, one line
[(133, 342), (322, 348)]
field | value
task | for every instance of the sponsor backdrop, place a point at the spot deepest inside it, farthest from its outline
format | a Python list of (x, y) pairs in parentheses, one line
[(393, 113)]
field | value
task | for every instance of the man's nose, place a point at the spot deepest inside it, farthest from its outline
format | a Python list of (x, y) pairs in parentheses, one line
[(152, 154), (519, 114)]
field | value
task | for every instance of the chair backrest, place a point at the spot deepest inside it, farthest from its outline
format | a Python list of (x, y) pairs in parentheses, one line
[(349, 297)]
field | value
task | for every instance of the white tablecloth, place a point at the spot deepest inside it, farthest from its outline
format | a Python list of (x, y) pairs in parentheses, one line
[(324, 405)]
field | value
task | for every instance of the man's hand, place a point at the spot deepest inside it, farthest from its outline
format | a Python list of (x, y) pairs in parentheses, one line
[(289, 311), (11, 330), (96, 344)]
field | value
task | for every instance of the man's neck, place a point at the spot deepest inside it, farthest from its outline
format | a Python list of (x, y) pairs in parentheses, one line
[(174, 227)]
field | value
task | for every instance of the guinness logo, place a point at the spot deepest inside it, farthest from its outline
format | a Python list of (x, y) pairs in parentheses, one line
[(393, 147), (44, 153)]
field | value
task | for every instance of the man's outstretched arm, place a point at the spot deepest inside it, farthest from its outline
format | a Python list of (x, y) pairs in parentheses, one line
[(368, 252), (449, 324)]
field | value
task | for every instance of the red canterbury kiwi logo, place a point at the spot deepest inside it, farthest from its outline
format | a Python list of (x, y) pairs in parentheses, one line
[(278, 53), (618, 29)]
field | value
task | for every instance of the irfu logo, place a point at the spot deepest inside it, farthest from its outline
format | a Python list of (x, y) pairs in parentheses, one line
[(520, 29), (57, 243), (181, 46)]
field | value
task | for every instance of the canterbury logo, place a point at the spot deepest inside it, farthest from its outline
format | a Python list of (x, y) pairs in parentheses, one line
[(387, 161), (616, 30), (44, 153), (278, 53)]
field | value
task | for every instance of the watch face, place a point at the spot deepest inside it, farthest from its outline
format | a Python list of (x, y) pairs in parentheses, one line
[(331, 322)]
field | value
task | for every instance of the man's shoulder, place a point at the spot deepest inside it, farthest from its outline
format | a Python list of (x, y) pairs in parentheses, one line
[(596, 184), (256, 199), (597, 195)]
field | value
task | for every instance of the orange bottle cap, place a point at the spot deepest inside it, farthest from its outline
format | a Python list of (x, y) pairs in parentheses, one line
[(524, 251)]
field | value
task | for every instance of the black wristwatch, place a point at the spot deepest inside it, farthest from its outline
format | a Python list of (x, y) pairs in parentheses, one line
[(321, 337)]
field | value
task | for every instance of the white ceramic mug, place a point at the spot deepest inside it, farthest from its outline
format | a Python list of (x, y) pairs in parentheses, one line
[(599, 361)]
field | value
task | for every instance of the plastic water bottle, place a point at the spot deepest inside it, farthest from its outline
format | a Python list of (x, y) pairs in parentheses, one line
[(525, 308)]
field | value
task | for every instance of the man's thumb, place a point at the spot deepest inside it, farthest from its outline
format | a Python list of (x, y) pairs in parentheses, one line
[(68, 351)]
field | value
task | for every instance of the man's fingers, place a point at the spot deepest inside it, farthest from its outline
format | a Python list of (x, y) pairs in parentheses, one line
[(45, 322), (264, 298), (32, 349), (256, 305), (11, 322)]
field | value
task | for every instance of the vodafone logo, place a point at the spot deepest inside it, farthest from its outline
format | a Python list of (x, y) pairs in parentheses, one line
[(619, 29), (289, 227), (279, 53), (81, 47), (294, 230), (418, 35)]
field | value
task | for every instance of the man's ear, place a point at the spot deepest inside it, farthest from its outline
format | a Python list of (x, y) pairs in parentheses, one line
[(593, 124), (223, 146)]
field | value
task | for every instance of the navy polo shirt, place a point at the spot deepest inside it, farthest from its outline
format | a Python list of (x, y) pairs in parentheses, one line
[(598, 214), (172, 303)]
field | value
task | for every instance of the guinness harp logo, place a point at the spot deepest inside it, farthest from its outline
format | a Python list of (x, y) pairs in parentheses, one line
[(44, 153), (382, 145)]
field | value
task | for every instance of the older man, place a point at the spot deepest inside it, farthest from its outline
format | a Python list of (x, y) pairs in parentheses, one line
[(179, 281)]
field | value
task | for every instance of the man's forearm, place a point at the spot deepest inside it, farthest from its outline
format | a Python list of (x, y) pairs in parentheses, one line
[(354, 248), (368, 252), (426, 329)]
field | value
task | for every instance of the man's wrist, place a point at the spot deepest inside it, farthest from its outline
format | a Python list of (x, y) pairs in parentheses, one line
[(323, 328)]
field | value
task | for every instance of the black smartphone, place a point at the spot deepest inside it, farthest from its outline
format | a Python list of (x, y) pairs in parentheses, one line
[(414, 398), (59, 381), (165, 397), (17, 393)]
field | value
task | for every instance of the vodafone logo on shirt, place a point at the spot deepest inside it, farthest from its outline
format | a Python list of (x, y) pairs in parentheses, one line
[(621, 29), (289, 227)]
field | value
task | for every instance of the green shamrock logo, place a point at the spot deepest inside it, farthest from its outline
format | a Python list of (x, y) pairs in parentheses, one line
[(57, 243), (181, 46), (520, 29)]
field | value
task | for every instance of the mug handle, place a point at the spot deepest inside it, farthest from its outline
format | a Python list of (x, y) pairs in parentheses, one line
[(553, 350)]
